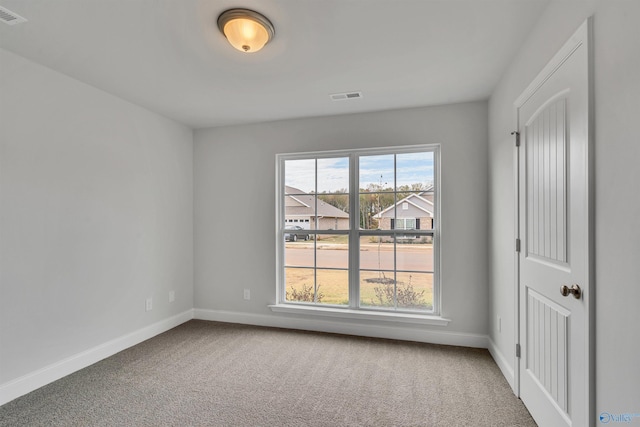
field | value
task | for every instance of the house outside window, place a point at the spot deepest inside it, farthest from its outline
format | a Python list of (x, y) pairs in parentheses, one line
[(371, 244)]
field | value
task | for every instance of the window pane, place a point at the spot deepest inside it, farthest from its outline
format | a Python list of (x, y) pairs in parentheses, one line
[(376, 252), (332, 251), (299, 284), (414, 171), (414, 253), (376, 173), (331, 217), (300, 176), (300, 253), (414, 205), (376, 210), (333, 175), (333, 287), (414, 291), (299, 209), (376, 289), (414, 211)]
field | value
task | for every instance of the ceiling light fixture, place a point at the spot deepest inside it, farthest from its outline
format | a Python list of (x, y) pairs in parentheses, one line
[(246, 30)]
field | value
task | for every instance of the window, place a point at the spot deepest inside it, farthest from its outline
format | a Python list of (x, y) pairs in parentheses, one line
[(405, 223), (360, 250)]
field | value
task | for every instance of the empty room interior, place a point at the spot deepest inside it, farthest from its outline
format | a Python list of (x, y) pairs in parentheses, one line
[(436, 198)]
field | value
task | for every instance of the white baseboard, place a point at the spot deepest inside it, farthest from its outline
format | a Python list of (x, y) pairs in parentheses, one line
[(34, 380), (419, 334), (503, 364)]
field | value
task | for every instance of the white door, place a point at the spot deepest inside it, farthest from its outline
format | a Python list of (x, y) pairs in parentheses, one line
[(555, 233)]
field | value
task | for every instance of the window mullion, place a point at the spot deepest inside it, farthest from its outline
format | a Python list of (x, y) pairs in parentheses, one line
[(354, 237), (280, 274), (395, 235), (315, 239), (437, 228)]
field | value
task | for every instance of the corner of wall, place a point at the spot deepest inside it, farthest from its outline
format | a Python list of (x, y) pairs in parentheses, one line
[(48, 374)]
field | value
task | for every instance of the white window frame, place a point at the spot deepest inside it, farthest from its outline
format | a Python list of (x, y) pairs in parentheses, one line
[(354, 310)]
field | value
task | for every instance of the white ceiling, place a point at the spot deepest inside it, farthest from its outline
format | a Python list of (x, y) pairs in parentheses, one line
[(168, 55)]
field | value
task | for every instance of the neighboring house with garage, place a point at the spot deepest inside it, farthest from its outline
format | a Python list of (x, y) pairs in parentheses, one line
[(300, 209), (414, 212)]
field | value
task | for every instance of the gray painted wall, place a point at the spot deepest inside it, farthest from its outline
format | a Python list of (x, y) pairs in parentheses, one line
[(96, 203), (617, 151), (235, 184)]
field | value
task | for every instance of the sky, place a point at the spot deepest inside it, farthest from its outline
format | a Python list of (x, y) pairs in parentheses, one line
[(333, 173)]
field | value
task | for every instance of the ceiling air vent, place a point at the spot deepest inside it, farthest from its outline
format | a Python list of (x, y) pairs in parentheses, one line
[(10, 18), (346, 95)]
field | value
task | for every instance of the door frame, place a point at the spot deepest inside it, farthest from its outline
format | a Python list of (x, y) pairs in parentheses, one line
[(582, 37)]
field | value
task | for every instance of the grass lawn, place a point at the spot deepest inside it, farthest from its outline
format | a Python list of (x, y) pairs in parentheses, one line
[(334, 287), (334, 238)]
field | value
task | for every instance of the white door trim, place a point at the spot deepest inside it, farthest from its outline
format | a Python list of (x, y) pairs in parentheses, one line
[(583, 36), (580, 37)]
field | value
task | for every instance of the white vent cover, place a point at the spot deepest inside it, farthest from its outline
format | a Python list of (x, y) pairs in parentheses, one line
[(345, 96), (10, 18)]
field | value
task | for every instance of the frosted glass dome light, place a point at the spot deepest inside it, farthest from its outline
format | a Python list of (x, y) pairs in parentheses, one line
[(246, 30)]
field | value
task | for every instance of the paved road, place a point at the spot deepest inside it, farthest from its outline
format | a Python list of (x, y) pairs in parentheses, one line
[(409, 257)]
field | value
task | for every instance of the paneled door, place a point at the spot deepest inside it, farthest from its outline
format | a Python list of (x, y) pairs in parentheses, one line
[(555, 239)]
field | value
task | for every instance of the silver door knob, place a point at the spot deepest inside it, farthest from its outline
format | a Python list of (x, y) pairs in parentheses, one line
[(574, 290)]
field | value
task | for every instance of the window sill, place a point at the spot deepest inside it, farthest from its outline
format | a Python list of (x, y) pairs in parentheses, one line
[(421, 319)]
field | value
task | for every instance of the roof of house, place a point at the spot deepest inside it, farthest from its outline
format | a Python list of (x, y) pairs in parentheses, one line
[(422, 201), (300, 203)]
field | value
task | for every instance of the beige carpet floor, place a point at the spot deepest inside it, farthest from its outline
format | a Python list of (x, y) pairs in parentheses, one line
[(219, 374)]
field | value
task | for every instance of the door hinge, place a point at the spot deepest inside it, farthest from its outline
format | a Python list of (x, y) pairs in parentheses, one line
[(517, 134), (517, 245), (518, 350)]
